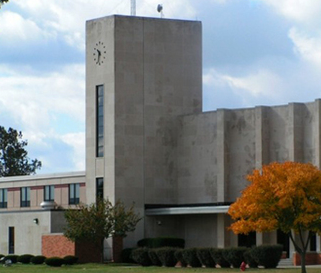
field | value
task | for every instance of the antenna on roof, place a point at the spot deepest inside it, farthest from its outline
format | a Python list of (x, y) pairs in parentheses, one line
[(133, 8), (160, 9)]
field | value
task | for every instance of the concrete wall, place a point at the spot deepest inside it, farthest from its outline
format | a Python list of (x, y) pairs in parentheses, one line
[(216, 150), (28, 234)]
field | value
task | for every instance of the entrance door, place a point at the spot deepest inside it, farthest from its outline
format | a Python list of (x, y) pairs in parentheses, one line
[(11, 240), (283, 239)]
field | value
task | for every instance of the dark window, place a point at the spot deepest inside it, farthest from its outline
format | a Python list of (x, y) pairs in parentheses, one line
[(11, 240), (247, 240), (99, 188), (283, 239), (49, 192), (3, 198), (74, 194), (25, 197), (313, 242), (100, 121)]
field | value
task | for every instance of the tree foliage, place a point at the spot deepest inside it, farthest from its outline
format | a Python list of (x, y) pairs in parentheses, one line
[(13, 156), (2, 2), (285, 196), (100, 220)]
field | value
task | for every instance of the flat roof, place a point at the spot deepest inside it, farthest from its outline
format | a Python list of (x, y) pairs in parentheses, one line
[(186, 210)]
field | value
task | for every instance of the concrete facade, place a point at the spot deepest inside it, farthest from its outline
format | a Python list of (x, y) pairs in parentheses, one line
[(155, 147)]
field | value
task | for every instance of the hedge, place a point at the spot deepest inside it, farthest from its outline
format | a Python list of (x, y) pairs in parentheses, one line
[(38, 259), (25, 259), (217, 255), (167, 256), (126, 255), (70, 260), (190, 257), (154, 257), (205, 258), (234, 255), (161, 242), (267, 255), (140, 256), (179, 257), (54, 261)]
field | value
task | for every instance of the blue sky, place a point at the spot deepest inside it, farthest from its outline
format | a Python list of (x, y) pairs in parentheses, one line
[(255, 52)]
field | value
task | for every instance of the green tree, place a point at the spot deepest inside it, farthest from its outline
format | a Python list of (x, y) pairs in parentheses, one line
[(285, 196), (13, 156), (95, 222), (2, 2)]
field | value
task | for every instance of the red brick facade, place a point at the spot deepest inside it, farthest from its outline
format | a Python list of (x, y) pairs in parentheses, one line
[(57, 245), (310, 258)]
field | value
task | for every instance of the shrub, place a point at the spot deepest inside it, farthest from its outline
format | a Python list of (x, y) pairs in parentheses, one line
[(140, 256), (161, 242), (205, 258), (54, 261), (249, 259), (25, 259), (126, 255), (267, 255), (153, 257), (146, 242), (70, 259), (179, 257), (167, 256), (13, 258), (234, 255), (190, 257), (38, 259), (217, 255)]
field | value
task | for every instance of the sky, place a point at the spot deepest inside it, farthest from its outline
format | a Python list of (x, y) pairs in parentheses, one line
[(255, 52)]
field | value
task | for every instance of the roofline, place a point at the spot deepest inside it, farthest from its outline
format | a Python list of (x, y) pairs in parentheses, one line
[(42, 176)]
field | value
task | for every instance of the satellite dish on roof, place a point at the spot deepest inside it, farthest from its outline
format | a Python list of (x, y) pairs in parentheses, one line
[(160, 9)]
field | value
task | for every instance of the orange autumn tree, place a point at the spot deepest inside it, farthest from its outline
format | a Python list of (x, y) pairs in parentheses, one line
[(285, 196)]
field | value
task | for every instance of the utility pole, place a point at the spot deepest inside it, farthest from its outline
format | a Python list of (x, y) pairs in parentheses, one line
[(133, 8)]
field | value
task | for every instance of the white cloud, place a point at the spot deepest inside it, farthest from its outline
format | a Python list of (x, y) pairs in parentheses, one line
[(34, 100), (306, 12), (261, 83), (66, 18), (307, 47), (77, 142), (15, 30)]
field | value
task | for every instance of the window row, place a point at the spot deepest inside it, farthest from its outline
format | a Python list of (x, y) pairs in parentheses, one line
[(49, 195)]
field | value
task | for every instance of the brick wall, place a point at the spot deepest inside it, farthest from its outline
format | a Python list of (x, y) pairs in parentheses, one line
[(57, 245), (310, 258)]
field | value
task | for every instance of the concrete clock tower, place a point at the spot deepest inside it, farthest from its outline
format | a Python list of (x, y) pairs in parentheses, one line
[(141, 74)]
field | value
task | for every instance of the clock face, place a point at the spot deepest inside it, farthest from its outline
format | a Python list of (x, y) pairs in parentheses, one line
[(99, 53)]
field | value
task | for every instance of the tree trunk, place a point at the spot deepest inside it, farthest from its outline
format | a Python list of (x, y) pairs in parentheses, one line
[(303, 268)]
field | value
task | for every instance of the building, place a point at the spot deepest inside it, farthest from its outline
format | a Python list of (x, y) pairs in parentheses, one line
[(148, 142)]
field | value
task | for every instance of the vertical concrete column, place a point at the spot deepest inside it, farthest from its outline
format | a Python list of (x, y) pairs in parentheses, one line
[(294, 133), (222, 155), (262, 138), (317, 130), (261, 147), (221, 230)]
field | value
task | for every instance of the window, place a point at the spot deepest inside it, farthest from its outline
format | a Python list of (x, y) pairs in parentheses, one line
[(25, 197), (99, 188), (100, 121), (49, 192), (3, 198), (74, 194), (11, 240)]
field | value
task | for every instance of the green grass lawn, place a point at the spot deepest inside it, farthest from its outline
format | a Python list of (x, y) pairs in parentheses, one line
[(100, 268)]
